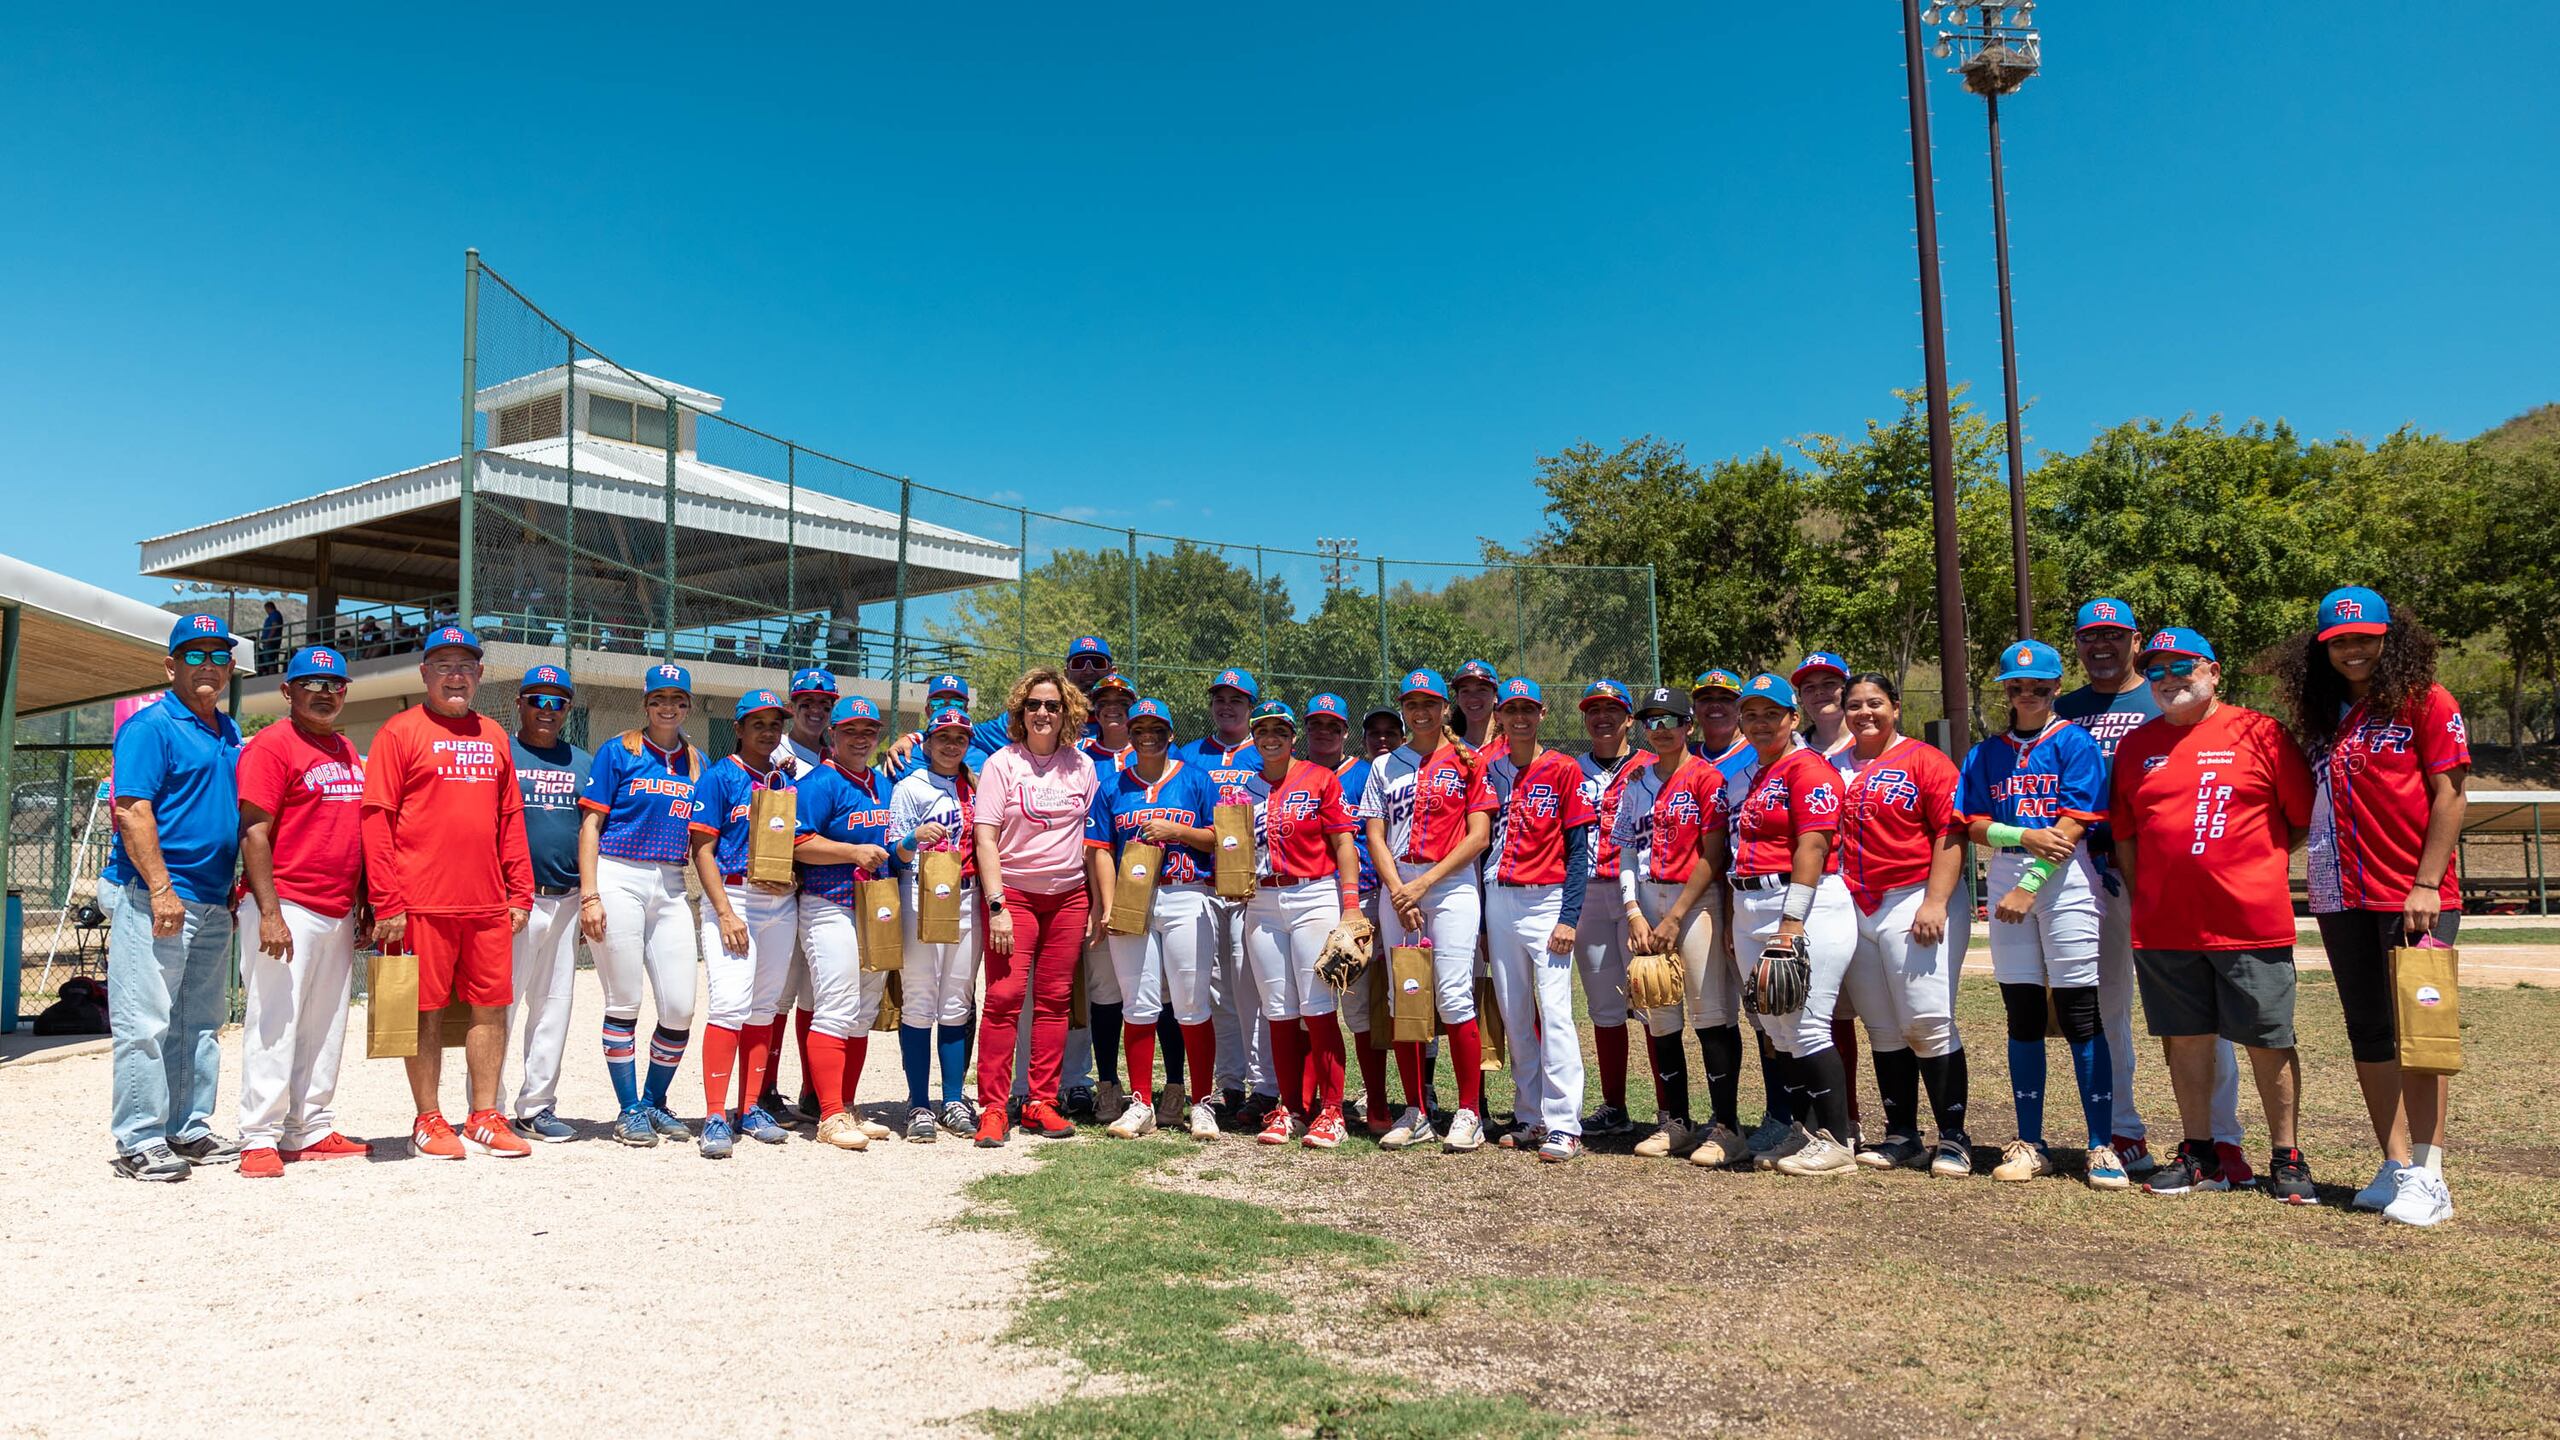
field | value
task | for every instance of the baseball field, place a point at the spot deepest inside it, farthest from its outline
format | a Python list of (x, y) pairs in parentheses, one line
[(1163, 1287)]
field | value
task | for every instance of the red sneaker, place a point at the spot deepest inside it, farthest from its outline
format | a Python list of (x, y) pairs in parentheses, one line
[(2235, 1166), (1279, 1127), (1042, 1119), (259, 1162), (431, 1138), (332, 1146), (1327, 1130), (993, 1128), (488, 1132)]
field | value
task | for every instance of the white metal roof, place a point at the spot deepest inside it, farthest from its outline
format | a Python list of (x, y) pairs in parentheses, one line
[(78, 643)]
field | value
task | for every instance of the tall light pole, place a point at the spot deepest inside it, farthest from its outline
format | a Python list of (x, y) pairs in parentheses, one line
[(2001, 52), (1952, 677)]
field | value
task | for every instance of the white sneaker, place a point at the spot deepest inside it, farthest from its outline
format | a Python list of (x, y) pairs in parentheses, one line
[(1672, 1136), (1819, 1155), (1466, 1132), (1204, 1122), (1109, 1101), (1411, 1128), (1133, 1121), (1796, 1138), (2423, 1199), (2384, 1189)]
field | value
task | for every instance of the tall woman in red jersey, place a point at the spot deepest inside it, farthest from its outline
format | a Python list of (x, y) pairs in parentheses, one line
[(2389, 754), (1901, 843), (1309, 881)]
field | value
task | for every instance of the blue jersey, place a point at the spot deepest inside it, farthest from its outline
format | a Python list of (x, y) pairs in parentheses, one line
[(849, 807), (1122, 802), (2108, 718), (1355, 783), (1235, 769), (646, 798), (1737, 758), (724, 801), (2033, 783), (550, 781), (186, 768)]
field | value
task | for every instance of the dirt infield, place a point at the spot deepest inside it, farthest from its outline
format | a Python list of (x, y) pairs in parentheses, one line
[(588, 1288)]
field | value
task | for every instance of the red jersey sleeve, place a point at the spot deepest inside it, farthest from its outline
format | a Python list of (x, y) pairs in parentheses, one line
[(1578, 809), (1813, 795), (1938, 780), (1335, 811), (383, 773), (1480, 799), (2444, 740), (261, 776)]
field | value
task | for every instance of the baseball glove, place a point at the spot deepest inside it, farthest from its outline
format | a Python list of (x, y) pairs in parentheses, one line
[(1348, 949), (1654, 981), (1780, 982)]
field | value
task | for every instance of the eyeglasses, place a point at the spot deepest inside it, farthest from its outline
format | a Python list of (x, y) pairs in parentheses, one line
[(2180, 668), (323, 687), (1043, 707), (453, 667), (2045, 692), (1663, 722), (218, 659), (546, 702)]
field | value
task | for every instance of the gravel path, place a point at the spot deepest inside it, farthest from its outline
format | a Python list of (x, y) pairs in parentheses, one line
[(788, 1291)]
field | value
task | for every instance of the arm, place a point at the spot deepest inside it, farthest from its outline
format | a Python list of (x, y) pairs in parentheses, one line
[(1099, 876), (715, 891), (1577, 869), (1190, 837), (590, 904), (1346, 872), (819, 850), (991, 885), (1946, 866), (515, 857), (140, 830), (2445, 809), (258, 871), (1813, 850), (1470, 845), (1701, 875)]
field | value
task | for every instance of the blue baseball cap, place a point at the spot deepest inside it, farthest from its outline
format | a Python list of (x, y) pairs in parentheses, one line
[(2030, 660), (546, 677), (1113, 681), (1477, 670), (1084, 645), (1716, 677), (315, 662), (1819, 660), (198, 629), (950, 717), (1331, 704), (1425, 681), (451, 637), (1608, 692), (1273, 710), (812, 681), (665, 675), (2178, 640), (755, 700), (1521, 687), (2353, 610), (1769, 685), (2105, 613), (1236, 680), (853, 707), (1155, 710), (941, 685)]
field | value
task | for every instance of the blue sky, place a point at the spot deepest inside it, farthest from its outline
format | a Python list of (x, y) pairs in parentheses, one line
[(1247, 275)]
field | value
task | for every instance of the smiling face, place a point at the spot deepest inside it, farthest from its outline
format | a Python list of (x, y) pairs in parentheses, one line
[(1326, 736), (1273, 740), (2184, 698), (946, 748), (453, 677), (1043, 711), (1873, 715), (1150, 738), (1475, 698), (1520, 720), (1607, 727), (1765, 724), (2354, 657), (1228, 708), (540, 726), (851, 743), (809, 711), (2106, 654), (1665, 734), (1111, 718), (1819, 693), (2030, 701), (1719, 715), (667, 711), (1425, 716)]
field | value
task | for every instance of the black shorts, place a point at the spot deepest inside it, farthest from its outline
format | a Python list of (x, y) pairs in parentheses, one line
[(2360, 943), (2244, 996)]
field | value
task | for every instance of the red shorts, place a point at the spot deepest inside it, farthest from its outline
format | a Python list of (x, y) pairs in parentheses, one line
[(472, 954)]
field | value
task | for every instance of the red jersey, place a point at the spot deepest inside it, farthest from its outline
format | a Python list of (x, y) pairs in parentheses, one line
[(1299, 820), (2211, 809), (1425, 801), (1535, 807), (1769, 806), (2370, 819), (443, 818), (1687, 804), (1896, 808), (314, 789)]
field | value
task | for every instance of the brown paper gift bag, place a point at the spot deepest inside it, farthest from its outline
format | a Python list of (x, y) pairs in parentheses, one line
[(1133, 890), (391, 1007), (2429, 1008), (1233, 825), (1416, 999), (938, 897), (774, 818), (877, 925), (1496, 1031), (893, 994), (1381, 1002)]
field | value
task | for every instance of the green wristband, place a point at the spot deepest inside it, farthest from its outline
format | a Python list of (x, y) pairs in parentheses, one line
[(2038, 872), (2003, 837)]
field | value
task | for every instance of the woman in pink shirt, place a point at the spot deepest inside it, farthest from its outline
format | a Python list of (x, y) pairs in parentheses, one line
[(1034, 868)]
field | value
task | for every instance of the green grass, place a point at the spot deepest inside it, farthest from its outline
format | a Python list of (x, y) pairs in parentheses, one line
[(1154, 1292)]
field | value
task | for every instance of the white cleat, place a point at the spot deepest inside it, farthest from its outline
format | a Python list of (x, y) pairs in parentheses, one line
[(1411, 1128), (1795, 1139), (1133, 1121), (1204, 1122), (1466, 1132), (1819, 1155), (2423, 1199)]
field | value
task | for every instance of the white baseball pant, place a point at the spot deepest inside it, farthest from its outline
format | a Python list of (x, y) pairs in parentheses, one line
[(938, 984), (1711, 994), (1244, 1051), (1600, 953), (294, 1027), (648, 929), (1453, 918), (2057, 944), (848, 996), (1285, 926), (746, 989), (546, 968), (1535, 990), (1919, 994), (1168, 963), (1831, 936)]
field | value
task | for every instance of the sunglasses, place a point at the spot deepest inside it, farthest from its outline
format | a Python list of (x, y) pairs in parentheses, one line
[(323, 687), (1663, 722), (1043, 707), (547, 702), (2180, 668), (2042, 691), (218, 659)]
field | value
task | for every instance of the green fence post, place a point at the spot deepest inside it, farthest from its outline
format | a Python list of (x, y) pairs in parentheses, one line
[(898, 615), (1519, 626), (61, 892), (463, 599), (1133, 600), (1652, 627), (791, 537), (2541, 872), (675, 428)]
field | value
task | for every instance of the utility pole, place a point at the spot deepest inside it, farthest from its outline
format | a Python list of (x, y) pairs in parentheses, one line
[(1952, 679)]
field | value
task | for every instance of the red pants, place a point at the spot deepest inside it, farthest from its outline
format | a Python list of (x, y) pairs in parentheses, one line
[(1048, 941)]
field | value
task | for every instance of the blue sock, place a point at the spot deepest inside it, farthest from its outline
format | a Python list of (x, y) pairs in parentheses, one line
[(2095, 1068), (666, 1052), (954, 1060), (2026, 1087), (618, 1047), (915, 1052)]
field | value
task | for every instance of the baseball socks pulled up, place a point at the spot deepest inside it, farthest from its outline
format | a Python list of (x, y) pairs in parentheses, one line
[(666, 1052), (1141, 1043), (1720, 1055), (951, 1052), (915, 1056), (719, 1058), (1898, 1086), (826, 1057), (1610, 1042), (620, 1064), (1289, 1060)]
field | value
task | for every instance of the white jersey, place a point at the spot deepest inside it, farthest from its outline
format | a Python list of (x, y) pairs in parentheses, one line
[(1634, 829), (802, 758), (922, 798)]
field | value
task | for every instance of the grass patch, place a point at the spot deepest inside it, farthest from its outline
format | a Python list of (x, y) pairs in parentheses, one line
[(1156, 1290)]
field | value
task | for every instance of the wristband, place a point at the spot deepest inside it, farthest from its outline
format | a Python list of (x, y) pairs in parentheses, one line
[(1799, 902), (2004, 837), (2037, 872)]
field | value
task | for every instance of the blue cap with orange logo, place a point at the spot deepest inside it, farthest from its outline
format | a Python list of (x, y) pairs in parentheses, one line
[(1605, 691), (1521, 687), (1769, 685), (2030, 660), (852, 708)]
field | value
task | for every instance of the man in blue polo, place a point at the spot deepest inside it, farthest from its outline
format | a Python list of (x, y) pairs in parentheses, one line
[(550, 773), (167, 894)]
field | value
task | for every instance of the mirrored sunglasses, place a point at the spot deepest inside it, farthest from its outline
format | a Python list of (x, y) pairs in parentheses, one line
[(547, 702), (2181, 668), (218, 659)]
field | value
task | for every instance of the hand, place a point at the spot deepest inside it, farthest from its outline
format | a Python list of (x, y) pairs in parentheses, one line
[(1639, 936), (517, 920), (591, 918), (1407, 903), (1560, 941), (870, 857), (928, 835), (168, 913), (2046, 845), (733, 933), (390, 930), (1666, 931), (1154, 831), (274, 940), (906, 746), (1000, 933), (2013, 907), (2419, 913), (1097, 924), (1929, 923), (771, 887)]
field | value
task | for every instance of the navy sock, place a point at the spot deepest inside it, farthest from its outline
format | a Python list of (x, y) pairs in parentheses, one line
[(954, 1048), (2095, 1070), (1670, 1077), (618, 1063), (666, 1052), (2026, 1087), (1825, 1078), (1781, 1103), (915, 1054), (1948, 1084), (1106, 1042), (1720, 1055), (1898, 1085), (1169, 1046)]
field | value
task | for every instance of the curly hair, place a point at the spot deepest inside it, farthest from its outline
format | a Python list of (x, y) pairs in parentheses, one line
[(1077, 707), (2317, 694)]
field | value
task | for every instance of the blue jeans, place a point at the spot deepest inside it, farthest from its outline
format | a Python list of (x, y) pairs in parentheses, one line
[(165, 1002)]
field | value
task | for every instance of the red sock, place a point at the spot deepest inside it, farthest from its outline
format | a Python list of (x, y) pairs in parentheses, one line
[(826, 1072), (1289, 1060), (719, 1058), (1324, 1067), (1409, 1065), (857, 1048), (1138, 1043), (1844, 1038), (755, 1058), (1466, 1056), (1611, 1042), (1373, 1070), (1200, 1054)]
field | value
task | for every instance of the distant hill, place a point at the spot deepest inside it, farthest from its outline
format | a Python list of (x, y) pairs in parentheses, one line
[(2535, 429)]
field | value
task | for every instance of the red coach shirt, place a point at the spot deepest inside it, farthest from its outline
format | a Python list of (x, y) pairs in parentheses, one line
[(1771, 805), (314, 789), (1896, 808), (1683, 809), (1425, 801), (2212, 809), (1537, 806), (444, 819), (2366, 835), (1299, 820)]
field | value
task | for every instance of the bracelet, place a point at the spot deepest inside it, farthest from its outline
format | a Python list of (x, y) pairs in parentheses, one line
[(2003, 837), (585, 900)]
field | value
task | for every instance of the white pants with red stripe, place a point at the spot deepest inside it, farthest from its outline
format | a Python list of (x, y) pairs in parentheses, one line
[(1535, 990), (294, 1026)]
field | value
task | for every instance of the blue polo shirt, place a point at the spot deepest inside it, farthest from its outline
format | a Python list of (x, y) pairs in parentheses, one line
[(551, 781), (184, 767), (646, 797)]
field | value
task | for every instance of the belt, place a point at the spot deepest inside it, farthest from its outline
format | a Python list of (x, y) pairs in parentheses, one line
[(1520, 884), (554, 892), (736, 878), (1277, 881), (1760, 882)]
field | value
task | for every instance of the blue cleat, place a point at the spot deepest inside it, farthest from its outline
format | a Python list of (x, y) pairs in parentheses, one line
[(717, 1138), (631, 1127), (667, 1126), (545, 1127), (763, 1128)]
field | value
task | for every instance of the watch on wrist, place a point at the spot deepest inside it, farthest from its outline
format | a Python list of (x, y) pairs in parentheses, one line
[(995, 905)]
